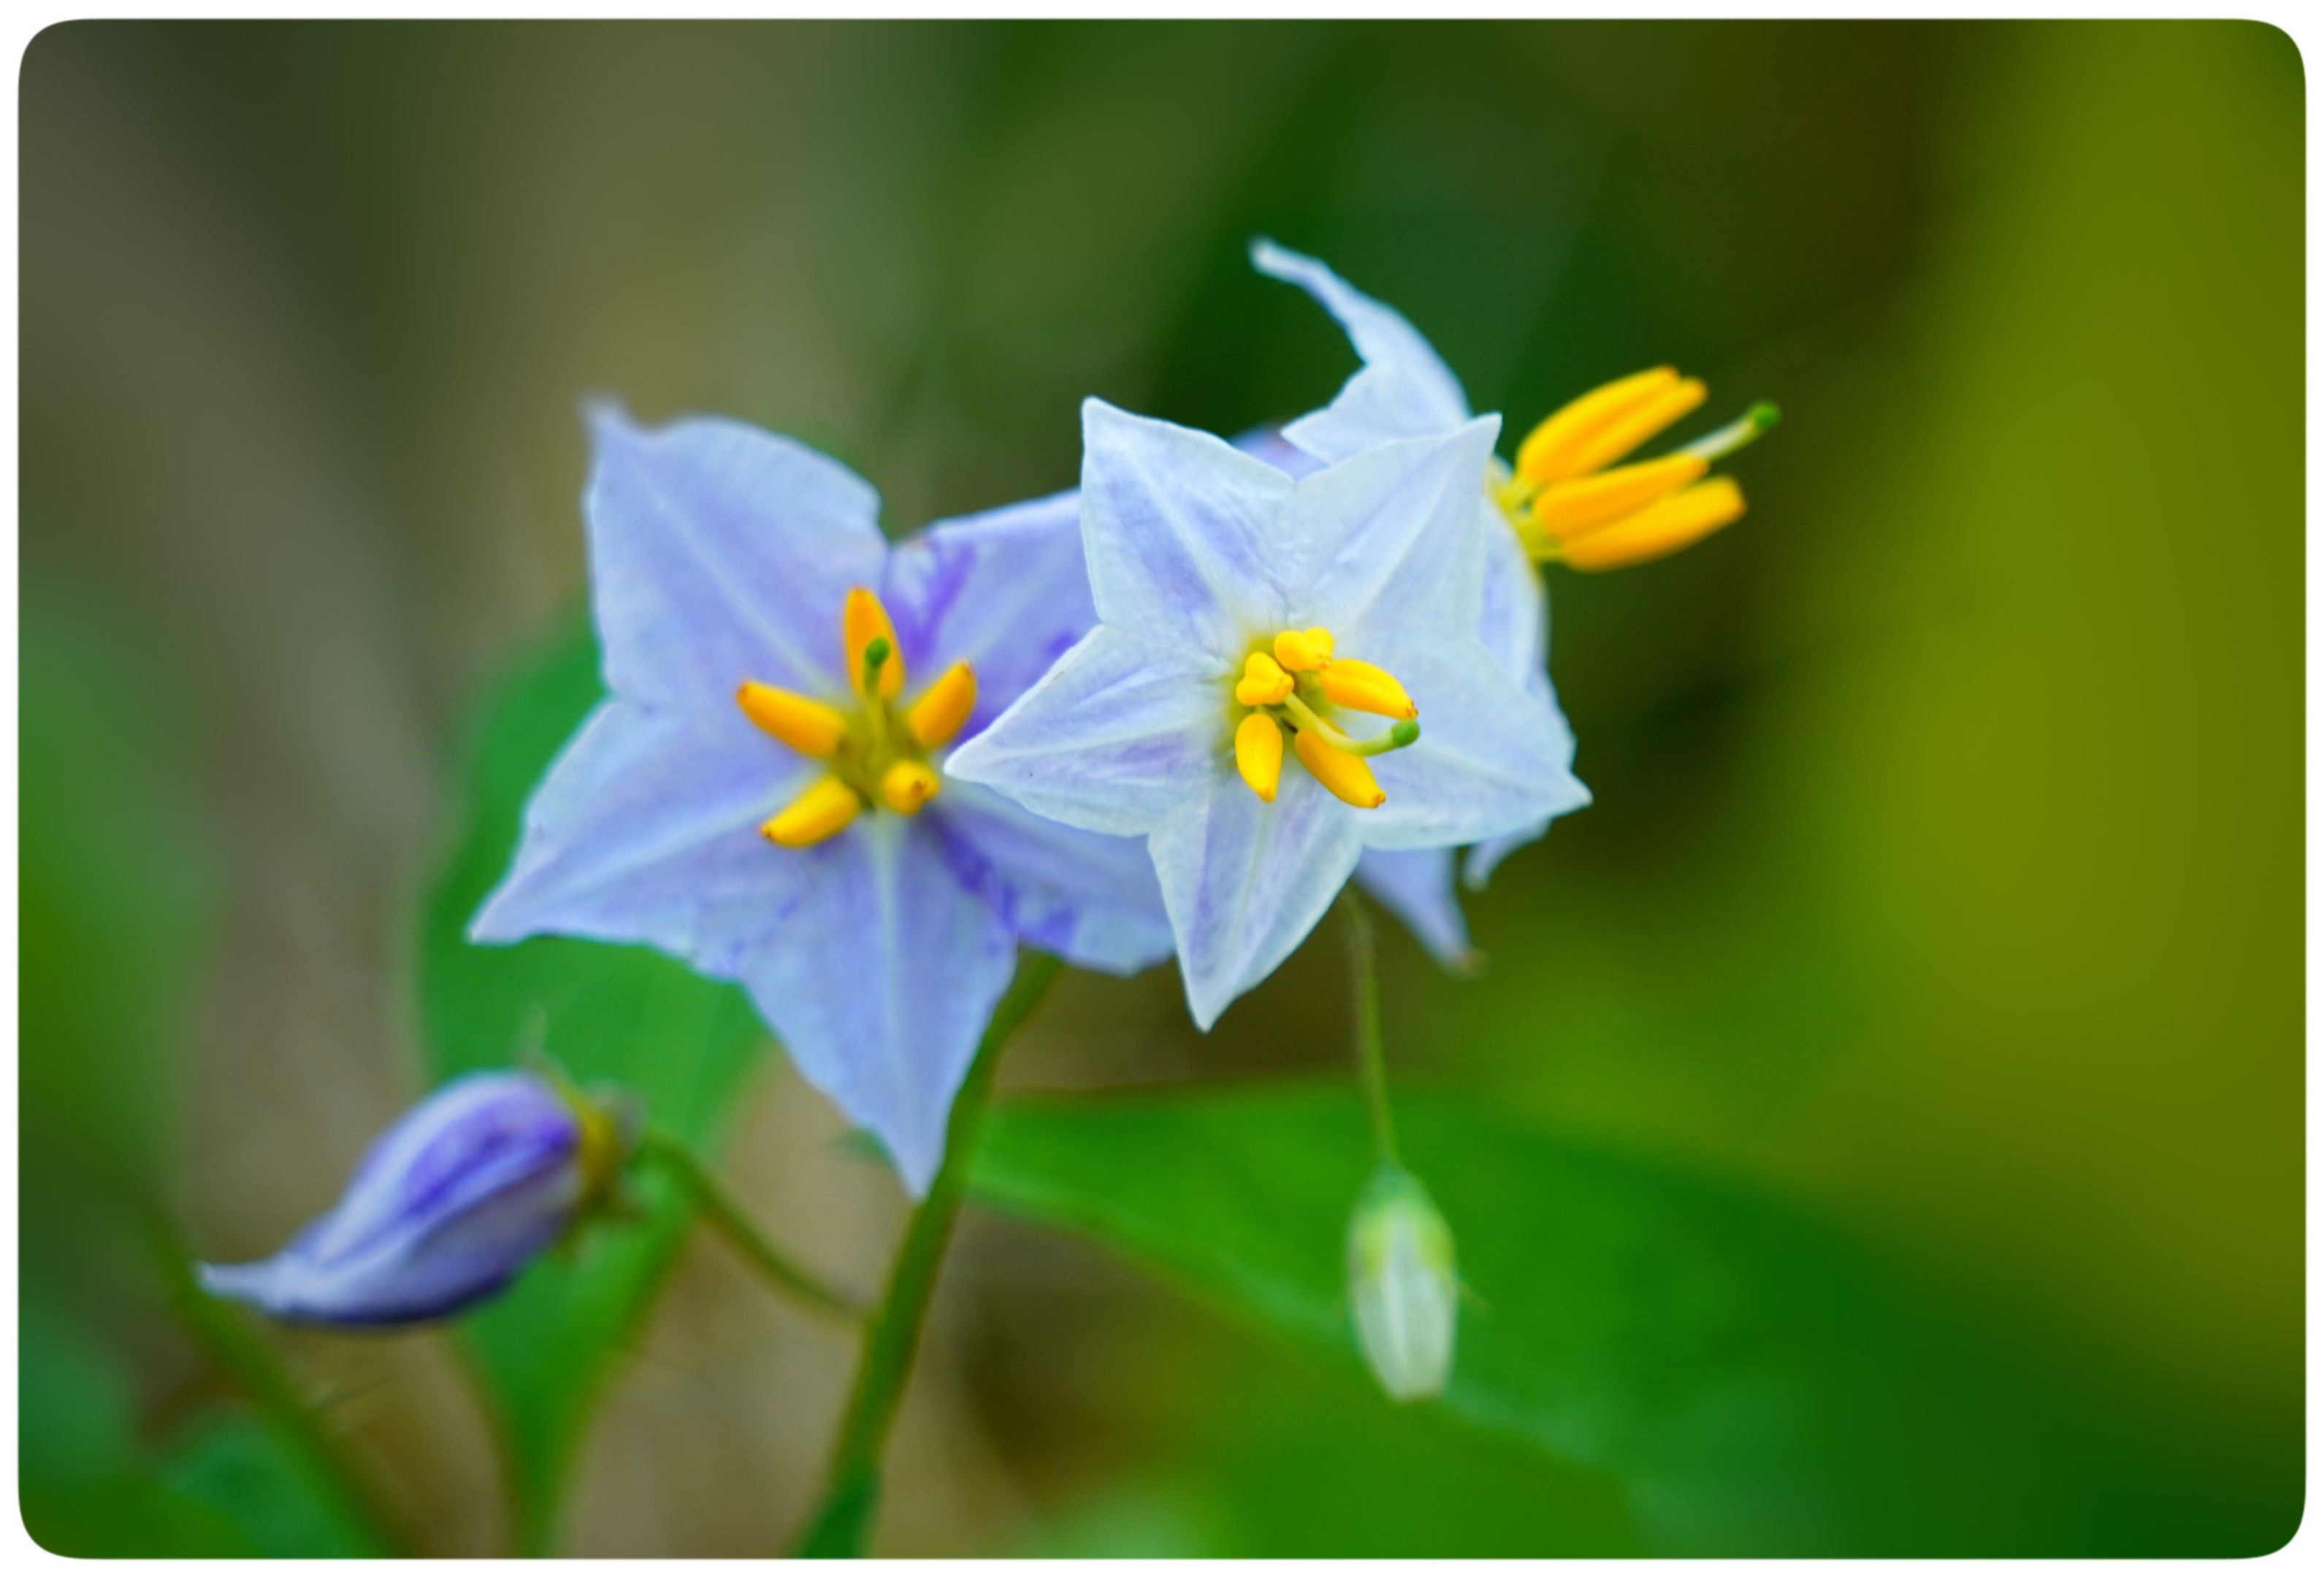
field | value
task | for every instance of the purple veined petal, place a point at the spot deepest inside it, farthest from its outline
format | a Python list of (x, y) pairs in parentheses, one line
[(1246, 881), (1404, 389), (1090, 899), (1395, 541), (646, 831), (444, 1209), (1415, 886), (720, 553), (879, 981), (1489, 761), (1111, 740), (1006, 590), (1183, 532)]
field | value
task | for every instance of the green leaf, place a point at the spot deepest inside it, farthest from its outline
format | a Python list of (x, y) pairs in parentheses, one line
[(624, 1015), (1752, 1383), (88, 1488)]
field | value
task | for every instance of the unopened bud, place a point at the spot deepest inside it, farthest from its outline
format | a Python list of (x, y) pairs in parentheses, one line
[(1402, 1286), (446, 1207)]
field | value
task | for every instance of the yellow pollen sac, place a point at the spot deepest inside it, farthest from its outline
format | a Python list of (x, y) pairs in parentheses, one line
[(826, 807), (1658, 529), (907, 786), (1258, 754), (860, 620), (804, 724), (1345, 775), (939, 714), (1304, 652), (1606, 424), (1263, 683), (1360, 686), (1567, 510)]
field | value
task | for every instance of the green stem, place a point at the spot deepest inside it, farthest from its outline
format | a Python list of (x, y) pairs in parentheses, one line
[(224, 1333), (1371, 1061), (841, 1524), (721, 1214)]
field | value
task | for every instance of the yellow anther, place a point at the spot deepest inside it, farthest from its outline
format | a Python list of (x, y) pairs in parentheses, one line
[(939, 714), (1258, 753), (1263, 683), (1345, 775), (803, 724), (1303, 651), (1349, 684), (1606, 424), (860, 619), (1569, 508), (826, 807), (907, 786), (1658, 529)]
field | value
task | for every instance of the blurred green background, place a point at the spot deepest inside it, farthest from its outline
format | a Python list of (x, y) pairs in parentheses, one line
[(1934, 945)]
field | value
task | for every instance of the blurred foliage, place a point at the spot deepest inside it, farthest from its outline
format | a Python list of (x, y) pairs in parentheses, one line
[(1743, 1376), (114, 904), (626, 1016), (1927, 971)]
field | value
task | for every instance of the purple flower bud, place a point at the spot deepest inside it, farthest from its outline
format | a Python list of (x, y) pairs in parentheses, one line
[(444, 1210)]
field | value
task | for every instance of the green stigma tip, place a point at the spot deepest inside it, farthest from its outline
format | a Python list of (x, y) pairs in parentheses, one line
[(1405, 733), (876, 650), (1766, 415)]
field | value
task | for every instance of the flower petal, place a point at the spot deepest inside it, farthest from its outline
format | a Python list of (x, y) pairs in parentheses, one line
[(1182, 533), (1392, 537), (646, 831), (1110, 740), (1489, 762), (1247, 880), (1404, 389), (1516, 631), (720, 553), (1007, 591), (1090, 899), (1415, 885), (879, 981)]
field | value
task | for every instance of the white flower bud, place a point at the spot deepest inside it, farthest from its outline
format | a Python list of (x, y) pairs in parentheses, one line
[(1402, 1286)]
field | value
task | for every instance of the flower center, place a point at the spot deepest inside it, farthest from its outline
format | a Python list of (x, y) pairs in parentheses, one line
[(1566, 504), (1295, 684), (877, 746)]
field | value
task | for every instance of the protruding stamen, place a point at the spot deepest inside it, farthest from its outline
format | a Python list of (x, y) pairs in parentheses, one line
[(861, 621), (939, 714), (1606, 424), (826, 807), (1349, 684), (1718, 446), (1345, 775), (907, 786), (1658, 529), (1303, 651), (1634, 428), (1263, 683), (1258, 754), (804, 724), (1570, 509)]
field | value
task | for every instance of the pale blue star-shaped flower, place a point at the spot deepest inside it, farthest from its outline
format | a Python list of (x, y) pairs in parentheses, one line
[(758, 797), (1236, 605), (1404, 391)]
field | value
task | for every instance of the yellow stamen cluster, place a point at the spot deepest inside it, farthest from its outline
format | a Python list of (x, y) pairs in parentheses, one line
[(1291, 686), (1566, 504), (878, 751)]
